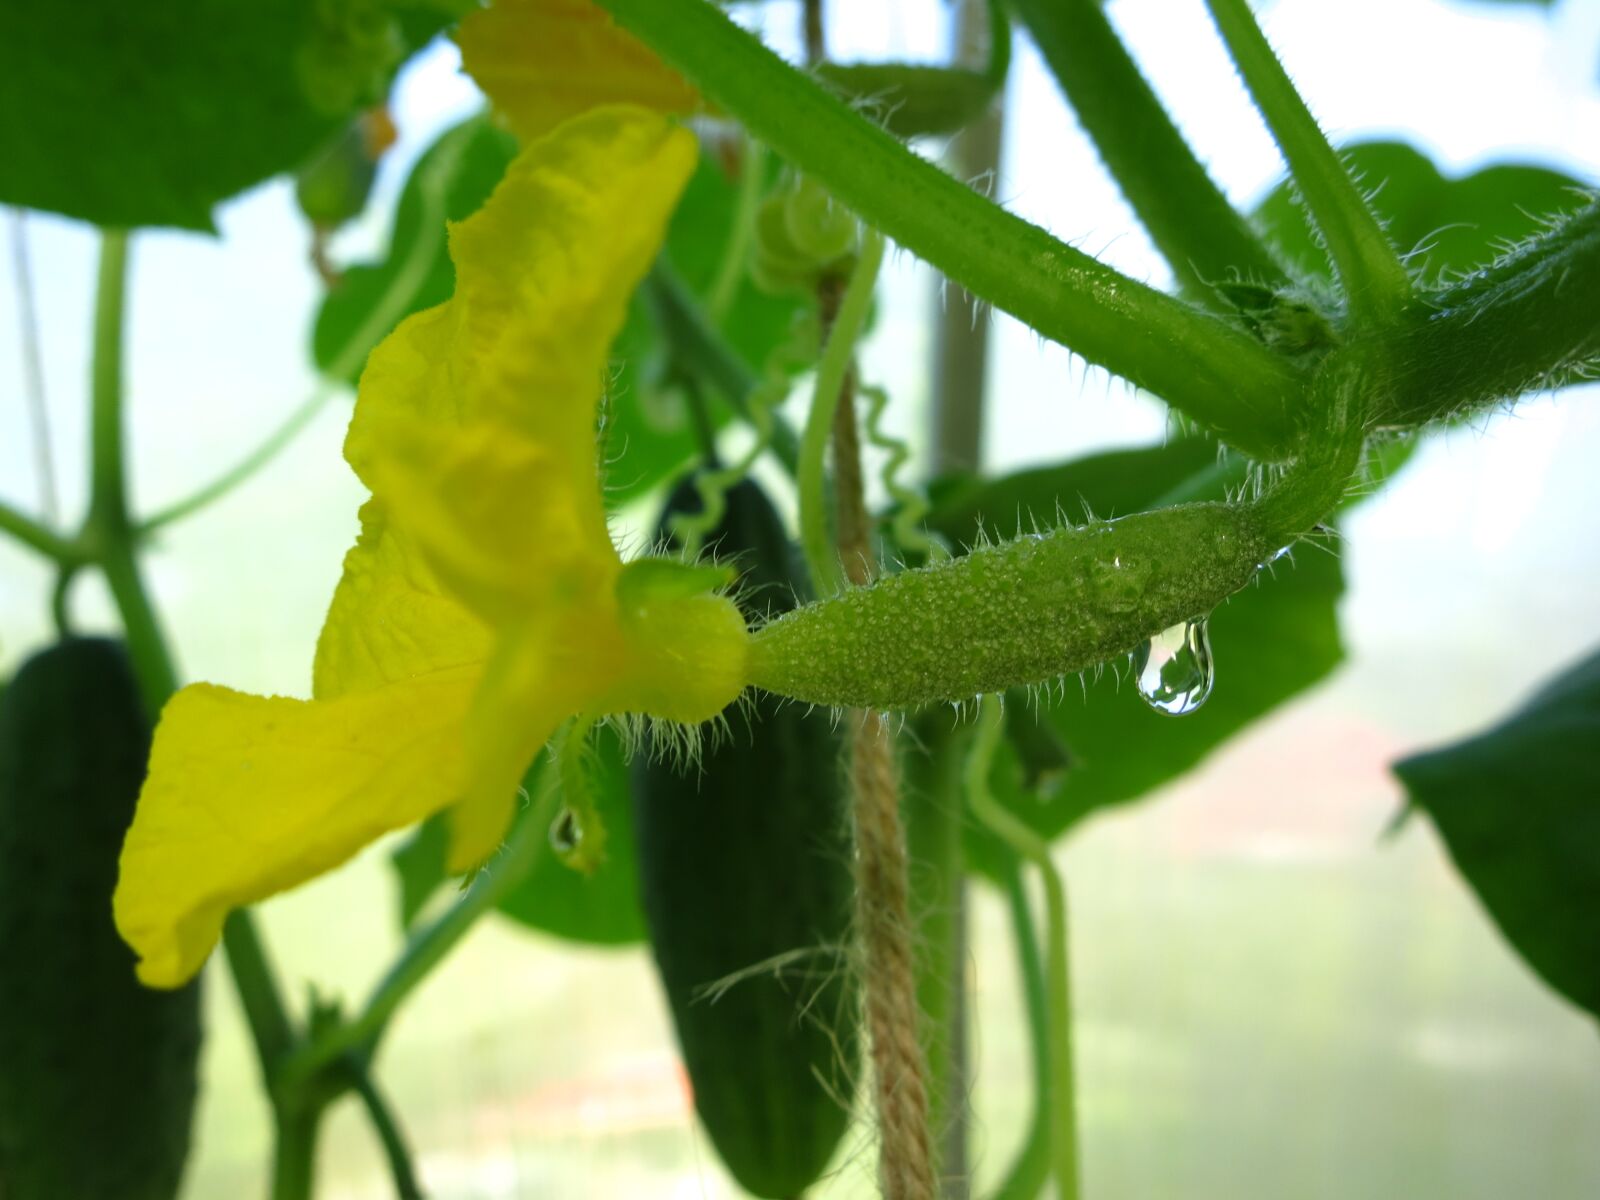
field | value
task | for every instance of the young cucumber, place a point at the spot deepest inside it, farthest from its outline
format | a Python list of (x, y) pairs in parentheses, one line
[(744, 860), (97, 1073)]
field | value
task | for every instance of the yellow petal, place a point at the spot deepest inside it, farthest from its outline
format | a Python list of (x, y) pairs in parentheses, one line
[(249, 795), (499, 516), (391, 619), (475, 425), (543, 61), (543, 275), (519, 705)]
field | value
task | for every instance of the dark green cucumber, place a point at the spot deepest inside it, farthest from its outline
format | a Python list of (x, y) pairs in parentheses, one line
[(97, 1073), (742, 859)]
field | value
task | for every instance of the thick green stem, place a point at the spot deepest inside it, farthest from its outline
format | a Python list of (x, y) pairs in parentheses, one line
[(294, 1157), (1202, 237), (1525, 324), (1216, 373), (815, 539), (1375, 282)]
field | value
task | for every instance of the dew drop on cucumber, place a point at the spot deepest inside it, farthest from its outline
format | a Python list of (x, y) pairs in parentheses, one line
[(1174, 669)]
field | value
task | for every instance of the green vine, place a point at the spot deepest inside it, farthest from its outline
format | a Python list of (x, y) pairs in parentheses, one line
[(1201, 364)]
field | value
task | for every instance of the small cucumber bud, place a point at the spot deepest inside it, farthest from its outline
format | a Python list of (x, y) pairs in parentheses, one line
[(801, 233), (818, 225)]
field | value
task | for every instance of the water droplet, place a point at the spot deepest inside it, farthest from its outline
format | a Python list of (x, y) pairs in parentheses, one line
[(1173, 670), (566, 832)]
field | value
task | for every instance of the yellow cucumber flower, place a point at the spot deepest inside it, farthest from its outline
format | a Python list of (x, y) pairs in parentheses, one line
[(483, 603), (542, 61)]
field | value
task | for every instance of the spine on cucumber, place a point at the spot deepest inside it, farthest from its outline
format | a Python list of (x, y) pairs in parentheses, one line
[(744, 865), (97, 1073)]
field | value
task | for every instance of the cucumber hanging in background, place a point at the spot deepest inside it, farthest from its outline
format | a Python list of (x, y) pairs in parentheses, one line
[(744, 868), (97, 1072)]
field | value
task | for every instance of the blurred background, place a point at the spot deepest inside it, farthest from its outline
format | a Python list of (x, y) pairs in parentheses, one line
[(1272, 998)]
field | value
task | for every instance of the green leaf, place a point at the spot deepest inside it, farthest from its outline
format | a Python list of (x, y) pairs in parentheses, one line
[(150, 113), (1446, 225), (450, 181), (602, 908), (1100, 746), (1518, 807)]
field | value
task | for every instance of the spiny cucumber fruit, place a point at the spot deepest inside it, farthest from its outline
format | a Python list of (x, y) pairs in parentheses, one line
[(1045, 605), (97, 1073), (744, 860), (1016, 613)]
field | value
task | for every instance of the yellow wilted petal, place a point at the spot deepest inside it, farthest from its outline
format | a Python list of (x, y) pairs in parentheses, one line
[(249, 795), (543, 275), (543, 61), (519, 705), (391, 619), (501, 517)]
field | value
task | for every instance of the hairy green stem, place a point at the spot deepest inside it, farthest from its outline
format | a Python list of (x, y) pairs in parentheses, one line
[(1059, 1101), (1524, 324), (1375, 282), (1216, 373), (821, 557), (1202, 237)]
